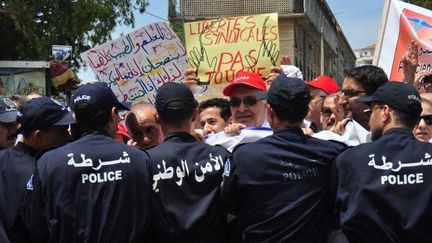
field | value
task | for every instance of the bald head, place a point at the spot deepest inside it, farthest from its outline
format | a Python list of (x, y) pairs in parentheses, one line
[(142, 126), (142, 107)]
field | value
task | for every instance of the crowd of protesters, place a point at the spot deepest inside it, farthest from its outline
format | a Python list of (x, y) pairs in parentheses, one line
[(279, 160)]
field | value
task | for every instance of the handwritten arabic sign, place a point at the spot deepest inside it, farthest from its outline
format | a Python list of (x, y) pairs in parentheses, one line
[(137, 64), (406, 22), (220, 48)]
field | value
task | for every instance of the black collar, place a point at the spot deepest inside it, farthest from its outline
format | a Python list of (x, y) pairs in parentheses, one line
[(26, 149)]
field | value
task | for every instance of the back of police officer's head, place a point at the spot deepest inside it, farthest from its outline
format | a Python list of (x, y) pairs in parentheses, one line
[(175, 105), (288, 99), (44, 123), (96, 107), (394, 104)]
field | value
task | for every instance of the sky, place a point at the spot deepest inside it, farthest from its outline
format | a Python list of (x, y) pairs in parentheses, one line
[(359, 20)]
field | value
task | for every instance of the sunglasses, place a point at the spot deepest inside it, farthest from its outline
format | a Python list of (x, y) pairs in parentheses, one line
[(247, 101), (427, 119), (326, 111), (351, 93), (371, 108)]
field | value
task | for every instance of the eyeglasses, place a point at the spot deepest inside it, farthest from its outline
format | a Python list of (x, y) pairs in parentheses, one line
[(247, 101), (351, 93), (427, 119), (369, 110), (326, 111)]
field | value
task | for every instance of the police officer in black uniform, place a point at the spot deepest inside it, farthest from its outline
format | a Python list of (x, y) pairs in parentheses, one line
[(44, 124), (186, 175), (8, 125), (94, 189), (279, 186), (384, 187)]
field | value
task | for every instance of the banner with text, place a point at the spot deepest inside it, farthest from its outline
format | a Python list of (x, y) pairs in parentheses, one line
[(222, 47), (137, 64), (405, 22)]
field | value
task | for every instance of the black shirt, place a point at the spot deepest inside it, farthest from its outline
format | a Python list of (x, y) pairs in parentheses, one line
[(17, 164), (94, 190), (279, 187), (186, 183), (385, 189)]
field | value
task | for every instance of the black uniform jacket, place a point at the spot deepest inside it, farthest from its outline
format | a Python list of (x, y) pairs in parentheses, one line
[(187, 175), (385, 189), (17, 165), (279, 187), (92, 190)]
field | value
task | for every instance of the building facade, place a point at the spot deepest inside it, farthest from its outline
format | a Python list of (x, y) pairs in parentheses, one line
[(301, 25), (365, 55)]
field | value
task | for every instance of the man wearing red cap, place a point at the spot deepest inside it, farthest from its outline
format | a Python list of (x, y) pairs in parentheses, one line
[(247, 94), (247, 99), (319, 88)]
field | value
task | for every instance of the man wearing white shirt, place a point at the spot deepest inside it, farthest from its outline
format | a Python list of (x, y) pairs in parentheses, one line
[(354, 128), (248, 110)]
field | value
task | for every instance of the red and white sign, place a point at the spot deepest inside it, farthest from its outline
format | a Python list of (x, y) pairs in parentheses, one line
[(404, 22)]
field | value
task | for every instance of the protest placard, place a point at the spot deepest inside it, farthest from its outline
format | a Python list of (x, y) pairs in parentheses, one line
[(137, 64), (403, 22), (222, 47)]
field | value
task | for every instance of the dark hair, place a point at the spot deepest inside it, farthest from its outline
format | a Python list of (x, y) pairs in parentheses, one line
[(293, 113), (19, 101), (222, 104), (176, 117), (88, 118), (405, 119), (369, 76)]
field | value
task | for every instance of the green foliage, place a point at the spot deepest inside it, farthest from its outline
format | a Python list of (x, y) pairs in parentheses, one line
[(422, 3), (28, 28)]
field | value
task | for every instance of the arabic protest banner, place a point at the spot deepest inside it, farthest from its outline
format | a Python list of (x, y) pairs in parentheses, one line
[(220, 48), (137, 64), (404, 22)]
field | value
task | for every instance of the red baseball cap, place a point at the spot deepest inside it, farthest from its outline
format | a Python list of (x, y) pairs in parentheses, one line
[(122, 130), (324, 83), (246, 78)]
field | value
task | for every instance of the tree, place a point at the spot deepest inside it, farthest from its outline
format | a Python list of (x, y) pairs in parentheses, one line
[(29, 27), (422, 3)]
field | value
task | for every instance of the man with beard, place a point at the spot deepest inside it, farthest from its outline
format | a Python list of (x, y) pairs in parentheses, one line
[(383, 187)]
